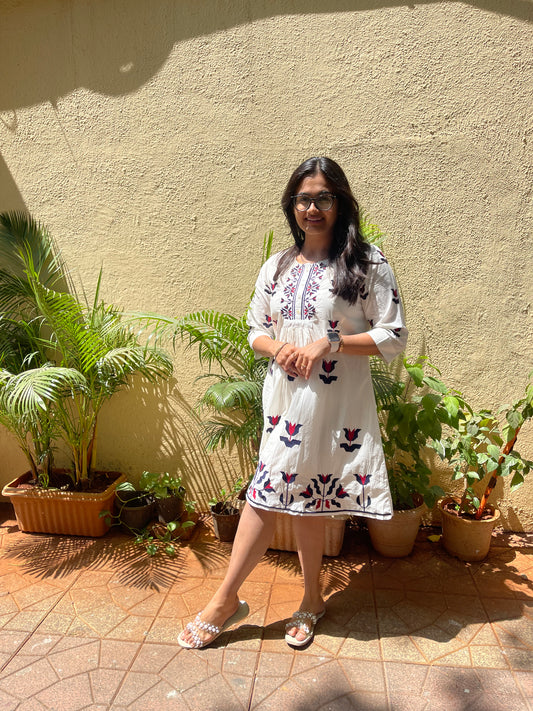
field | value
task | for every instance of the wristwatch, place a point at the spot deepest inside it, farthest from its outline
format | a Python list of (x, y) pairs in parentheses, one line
[(334, 341)]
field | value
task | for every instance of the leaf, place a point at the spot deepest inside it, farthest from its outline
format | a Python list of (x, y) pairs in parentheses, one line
[(451, 404), (493, 451), (516, 481), (416, 373), (429, 424), (436, 384)]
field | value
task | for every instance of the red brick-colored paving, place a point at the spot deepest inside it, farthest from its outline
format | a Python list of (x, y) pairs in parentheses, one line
[(92, 624)]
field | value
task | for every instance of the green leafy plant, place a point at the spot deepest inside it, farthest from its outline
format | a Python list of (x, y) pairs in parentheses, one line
[(481, 444), (162, 484), (410, 419), (62, 357), (163, 537), (225, 501)]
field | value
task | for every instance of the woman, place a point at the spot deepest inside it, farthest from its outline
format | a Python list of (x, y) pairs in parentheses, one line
[(319, 310)]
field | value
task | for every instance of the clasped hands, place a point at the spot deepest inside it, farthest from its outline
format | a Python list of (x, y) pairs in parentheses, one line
[(300, 361)]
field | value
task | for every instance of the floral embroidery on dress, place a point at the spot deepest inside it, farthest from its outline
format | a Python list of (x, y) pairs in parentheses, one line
[(363, 479), (328, 366), (293, 291), (350, 435), (273, 421), (292, 429), (320, 493), (286, 498), (261, 483), (395, 296)]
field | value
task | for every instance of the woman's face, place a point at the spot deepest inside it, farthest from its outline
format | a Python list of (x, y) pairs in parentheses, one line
[(315, 223)]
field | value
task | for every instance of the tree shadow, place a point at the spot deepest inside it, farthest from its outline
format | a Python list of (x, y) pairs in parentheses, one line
[(10, 197), (116, 47), (58, 557)]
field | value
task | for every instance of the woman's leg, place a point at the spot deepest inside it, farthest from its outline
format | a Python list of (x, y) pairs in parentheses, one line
[(310, 533), (253, 536)]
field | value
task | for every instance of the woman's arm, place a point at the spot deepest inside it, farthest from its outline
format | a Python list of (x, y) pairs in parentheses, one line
[(303, 359), (279, 350)]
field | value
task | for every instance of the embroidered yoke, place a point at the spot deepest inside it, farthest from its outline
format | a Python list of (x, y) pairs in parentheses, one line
[(321, 450)]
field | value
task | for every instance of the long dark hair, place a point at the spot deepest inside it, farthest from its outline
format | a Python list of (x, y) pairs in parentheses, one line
[(349, 253)]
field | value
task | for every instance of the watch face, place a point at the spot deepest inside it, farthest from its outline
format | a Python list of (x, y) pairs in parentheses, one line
[(334, 337)]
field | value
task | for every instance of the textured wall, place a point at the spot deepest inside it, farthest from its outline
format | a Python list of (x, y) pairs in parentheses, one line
[(155, 138)]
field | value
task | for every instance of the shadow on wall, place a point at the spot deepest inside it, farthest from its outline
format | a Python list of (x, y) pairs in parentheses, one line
[(115, 46), (10, 197)]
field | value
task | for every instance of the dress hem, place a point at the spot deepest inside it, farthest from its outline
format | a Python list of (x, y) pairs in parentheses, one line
[(346, 513)]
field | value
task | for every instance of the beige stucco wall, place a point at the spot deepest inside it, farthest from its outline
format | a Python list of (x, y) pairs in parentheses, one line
[(155, 138)]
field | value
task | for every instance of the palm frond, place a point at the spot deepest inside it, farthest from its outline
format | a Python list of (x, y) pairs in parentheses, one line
[(25, 241), (220, 337), (233, 393), (29, 393)]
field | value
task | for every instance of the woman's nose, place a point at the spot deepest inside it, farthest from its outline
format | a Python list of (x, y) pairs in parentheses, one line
[(312, 208)]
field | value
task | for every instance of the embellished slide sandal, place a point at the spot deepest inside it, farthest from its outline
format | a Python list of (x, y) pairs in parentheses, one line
[(305, 622), (194, 627)]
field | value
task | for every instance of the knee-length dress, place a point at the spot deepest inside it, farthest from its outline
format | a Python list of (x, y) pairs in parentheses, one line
[(321, 451)]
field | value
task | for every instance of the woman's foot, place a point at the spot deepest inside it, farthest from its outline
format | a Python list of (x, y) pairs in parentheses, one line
[(303, 628), (211, 622)]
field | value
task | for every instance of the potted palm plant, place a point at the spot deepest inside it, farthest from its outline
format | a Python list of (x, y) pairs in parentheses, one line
[(62, 359), (480, 448)]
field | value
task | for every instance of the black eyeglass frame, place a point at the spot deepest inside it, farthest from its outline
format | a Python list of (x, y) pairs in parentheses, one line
[(312, 201)]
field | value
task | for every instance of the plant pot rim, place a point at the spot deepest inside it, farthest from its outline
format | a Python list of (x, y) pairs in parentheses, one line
[(233, 511), (416, 506), (495, 512), (12, 489)]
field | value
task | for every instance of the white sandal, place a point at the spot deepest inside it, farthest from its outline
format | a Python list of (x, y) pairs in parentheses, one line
[(305, 622), (193, 627)]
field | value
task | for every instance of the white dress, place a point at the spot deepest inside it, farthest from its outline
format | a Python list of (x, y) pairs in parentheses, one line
[(321, 451)]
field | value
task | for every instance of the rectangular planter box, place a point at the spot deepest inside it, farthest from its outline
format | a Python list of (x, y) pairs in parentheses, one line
[(68, 512), (284, 539)]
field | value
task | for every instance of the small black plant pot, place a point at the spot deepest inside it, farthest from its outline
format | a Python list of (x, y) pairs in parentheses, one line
[(135, 508), (170, 508), (225, 521)]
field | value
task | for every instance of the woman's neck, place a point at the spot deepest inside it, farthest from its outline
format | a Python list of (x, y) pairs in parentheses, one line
[(312, 253)]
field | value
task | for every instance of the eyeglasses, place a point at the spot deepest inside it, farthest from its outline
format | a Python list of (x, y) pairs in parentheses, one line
[(322, 202)]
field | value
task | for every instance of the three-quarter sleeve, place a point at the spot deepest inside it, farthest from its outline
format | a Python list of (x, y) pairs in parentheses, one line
[(259, 317), (383, 309)]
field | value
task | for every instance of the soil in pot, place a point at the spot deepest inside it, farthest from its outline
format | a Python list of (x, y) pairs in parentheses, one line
[(396, 537), (225, 521), (463, 536)]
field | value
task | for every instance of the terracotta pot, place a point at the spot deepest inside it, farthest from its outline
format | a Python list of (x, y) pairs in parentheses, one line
[(395, 537), (185, 534), (225, 524), (69, 512), (285, 540), (465, 538)]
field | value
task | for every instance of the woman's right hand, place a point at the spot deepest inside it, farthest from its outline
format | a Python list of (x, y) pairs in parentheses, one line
[(284, 360)]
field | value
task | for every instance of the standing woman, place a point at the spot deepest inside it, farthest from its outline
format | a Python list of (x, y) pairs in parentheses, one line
[(320, 308)]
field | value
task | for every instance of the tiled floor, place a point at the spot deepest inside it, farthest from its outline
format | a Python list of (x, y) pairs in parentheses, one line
[(91, 624)]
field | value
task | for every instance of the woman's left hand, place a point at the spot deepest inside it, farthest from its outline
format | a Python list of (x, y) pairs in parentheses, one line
[(303, 359)]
